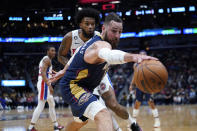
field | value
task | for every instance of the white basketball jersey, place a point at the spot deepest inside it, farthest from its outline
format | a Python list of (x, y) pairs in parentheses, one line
[(76, 40), (48, 70)]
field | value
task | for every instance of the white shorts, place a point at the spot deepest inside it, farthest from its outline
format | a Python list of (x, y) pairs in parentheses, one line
[(104, 86), (92, 110), (43, 90)]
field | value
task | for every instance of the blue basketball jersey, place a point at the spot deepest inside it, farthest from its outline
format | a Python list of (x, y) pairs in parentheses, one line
[(82, 73), (80, 80)]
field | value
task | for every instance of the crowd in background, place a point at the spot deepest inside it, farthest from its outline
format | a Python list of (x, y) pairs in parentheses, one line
[(180, 89), (33, 29)]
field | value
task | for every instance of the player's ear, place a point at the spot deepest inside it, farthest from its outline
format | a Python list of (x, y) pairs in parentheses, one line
[(80, 25), (103, 27)]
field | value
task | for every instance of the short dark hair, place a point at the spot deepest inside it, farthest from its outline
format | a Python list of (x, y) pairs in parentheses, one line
[(49, 47), (112, 16), (87, 12)]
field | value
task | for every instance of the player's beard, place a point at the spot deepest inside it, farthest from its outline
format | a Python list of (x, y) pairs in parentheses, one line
[(114, 45), (90, 35)]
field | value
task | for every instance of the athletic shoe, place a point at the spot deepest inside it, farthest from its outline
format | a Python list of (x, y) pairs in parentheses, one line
[(135, 127), (33, 129), (58, 128)]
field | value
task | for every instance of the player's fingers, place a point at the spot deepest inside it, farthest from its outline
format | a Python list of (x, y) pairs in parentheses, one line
[(49, 73), (153, 58), (139, 60), (52, 80), (149, 58), (54, 72)]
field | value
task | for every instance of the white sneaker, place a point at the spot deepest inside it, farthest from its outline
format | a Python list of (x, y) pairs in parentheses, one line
[(157, 129), (119, 129)]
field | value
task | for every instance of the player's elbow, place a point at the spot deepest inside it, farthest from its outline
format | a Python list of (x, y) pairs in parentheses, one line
[(43, 73), (112, 104), (59, 58)]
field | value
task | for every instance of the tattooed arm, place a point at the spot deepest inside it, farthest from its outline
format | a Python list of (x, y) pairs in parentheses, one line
[(64, 48)]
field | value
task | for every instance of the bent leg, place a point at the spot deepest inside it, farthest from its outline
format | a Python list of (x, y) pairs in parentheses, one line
[(111, 102), (75, 125), (103, 120)]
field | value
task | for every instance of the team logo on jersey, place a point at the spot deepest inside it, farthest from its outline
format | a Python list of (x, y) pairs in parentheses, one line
[(75, 37), (102, 86), (84, 98)]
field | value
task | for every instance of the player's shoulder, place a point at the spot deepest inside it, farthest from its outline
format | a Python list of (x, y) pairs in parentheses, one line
[(72, 34), (68, 35), (67, 38), (46, 59), (75, 31), (102, 44)]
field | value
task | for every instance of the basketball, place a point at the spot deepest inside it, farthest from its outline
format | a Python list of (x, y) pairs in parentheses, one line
[(150, 76)]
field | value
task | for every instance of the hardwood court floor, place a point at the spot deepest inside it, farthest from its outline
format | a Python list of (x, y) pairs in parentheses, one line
[(173, 118)]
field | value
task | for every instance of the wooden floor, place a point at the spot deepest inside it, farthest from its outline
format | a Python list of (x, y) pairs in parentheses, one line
[(173, 118)]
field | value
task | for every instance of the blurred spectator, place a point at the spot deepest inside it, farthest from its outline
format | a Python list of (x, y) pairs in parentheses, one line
[(123, 100), (2, 103)]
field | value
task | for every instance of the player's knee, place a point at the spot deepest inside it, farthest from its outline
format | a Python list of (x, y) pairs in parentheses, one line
[(41, 105), (103, 115), (75, 125), (137, 104), (51, 103), (81, 123), (151, 104)]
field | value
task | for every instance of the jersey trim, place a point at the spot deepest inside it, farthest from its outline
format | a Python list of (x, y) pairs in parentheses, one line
[(77, 91)]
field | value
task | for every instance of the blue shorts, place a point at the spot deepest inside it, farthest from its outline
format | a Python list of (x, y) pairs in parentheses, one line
[(77, 97), (140, 95)]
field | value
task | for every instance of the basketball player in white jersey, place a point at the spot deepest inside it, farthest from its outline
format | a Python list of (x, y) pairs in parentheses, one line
[(87, 20), (45, 91)]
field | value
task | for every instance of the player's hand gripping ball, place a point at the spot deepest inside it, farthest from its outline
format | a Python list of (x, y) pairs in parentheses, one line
[(150, 76)]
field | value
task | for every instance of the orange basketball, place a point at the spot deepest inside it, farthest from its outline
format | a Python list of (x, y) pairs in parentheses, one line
[(150, 76)]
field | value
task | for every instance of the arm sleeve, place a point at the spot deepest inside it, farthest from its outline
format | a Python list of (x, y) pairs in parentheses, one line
[(112, 56)]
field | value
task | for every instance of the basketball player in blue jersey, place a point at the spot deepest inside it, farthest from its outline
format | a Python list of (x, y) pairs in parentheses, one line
[(87, 19), (45, 91), (139, 98), (85, 70)]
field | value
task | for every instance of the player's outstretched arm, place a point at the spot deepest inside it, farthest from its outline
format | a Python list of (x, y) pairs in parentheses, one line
[(64, 48), (101, 51), (57, 75)]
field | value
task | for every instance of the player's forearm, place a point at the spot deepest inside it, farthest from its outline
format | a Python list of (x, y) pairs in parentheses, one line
[(129, 57), (116, 56), (62, 72), (62, 59), (65, 68)]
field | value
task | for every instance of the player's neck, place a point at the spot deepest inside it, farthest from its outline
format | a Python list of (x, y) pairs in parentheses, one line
[(49, 57)]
